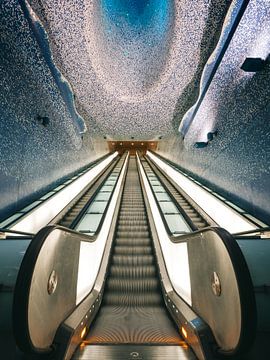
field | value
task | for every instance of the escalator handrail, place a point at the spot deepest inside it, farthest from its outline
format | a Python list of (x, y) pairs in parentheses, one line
[(243, 278), (244, 281), (23, 284), (25, 275), (196, 207), (68, 207)]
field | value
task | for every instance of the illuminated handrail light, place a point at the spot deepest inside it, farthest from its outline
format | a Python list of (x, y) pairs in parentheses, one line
[(222, 214), (91, 252), (175, 254), (43, 214), (83, 332), (184, 332)]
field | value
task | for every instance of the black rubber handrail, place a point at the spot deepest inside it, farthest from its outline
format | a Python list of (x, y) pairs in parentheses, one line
[(244, 282), (23, 285), (16, 232), (82, 212)]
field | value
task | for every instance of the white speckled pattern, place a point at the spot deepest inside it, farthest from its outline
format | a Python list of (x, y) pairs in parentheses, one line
[(127, 78)]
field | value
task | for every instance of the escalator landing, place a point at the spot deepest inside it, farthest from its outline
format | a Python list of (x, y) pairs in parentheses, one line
[(141, 325), (134, 352)]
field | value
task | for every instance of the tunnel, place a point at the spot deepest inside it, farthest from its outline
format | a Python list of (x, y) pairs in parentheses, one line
[(134, 179)]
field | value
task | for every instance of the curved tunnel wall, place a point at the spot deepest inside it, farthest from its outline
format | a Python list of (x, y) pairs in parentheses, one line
[(237, 106), (34, 156), (235, 165)]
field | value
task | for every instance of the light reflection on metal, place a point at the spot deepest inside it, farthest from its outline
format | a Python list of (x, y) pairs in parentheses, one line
[(91, 252), (43, 214), (52, 282), (83, 332), (184, 332), (216, 285), (222, 214), (175, 255)]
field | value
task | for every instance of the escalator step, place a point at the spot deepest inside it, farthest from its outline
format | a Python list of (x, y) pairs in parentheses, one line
[(133, 250), (133, 260), (133, 286), (133, 272), (136, 233), (130, 226), (134, 300), (130, 242)]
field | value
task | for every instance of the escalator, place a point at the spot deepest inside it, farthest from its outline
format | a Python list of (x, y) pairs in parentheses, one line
[(132, 310), (132, 307), (195, 216)]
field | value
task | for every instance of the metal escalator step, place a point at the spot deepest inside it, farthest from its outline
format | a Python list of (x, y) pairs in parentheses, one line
[(195, 217), (132, 242), (133, 250), (122, 352), (131, 222), (132, 260), (132, 216), (131, 201), (136, 233), (132, 211), (68, 218), (133, 286), (200, 225), (65, 223), (133, 272), (131, 226), (132, 307), (134, 300)]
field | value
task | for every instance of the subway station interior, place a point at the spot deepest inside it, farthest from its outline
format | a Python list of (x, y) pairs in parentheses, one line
[(134, 179)]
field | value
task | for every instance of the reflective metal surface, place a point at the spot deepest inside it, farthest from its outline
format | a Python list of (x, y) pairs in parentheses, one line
[(130, 352)]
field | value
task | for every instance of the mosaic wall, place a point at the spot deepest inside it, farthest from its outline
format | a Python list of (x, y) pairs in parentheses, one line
[(237, 106), (73, 72)]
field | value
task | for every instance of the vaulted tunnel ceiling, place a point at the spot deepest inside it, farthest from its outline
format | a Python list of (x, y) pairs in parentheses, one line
[(129, 62), (131, 70)]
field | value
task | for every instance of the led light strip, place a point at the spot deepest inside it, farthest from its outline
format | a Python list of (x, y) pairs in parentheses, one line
[(91, 252), (175, 254), (222, 214), (43, 214)]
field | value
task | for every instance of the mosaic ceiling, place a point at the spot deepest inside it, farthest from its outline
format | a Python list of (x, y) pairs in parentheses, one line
[(129, 62)]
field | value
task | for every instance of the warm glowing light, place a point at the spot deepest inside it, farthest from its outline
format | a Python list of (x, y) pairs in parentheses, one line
[(113, 143), (91, 252), (141, 143), (33, 221), (184, 332), (152, 144), (222, 214), (132, 143), (83, 332), (175, 255), (121, 143)]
